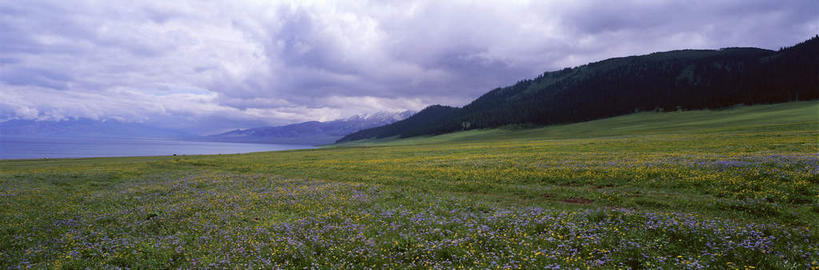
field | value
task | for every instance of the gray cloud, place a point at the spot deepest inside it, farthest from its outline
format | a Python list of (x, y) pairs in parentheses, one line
[(219, 65)]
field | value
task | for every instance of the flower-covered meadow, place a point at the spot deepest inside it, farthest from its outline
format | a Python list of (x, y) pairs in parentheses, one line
[(744, 196), (227, 220)]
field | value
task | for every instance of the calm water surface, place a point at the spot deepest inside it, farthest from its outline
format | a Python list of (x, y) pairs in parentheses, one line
[(26, 148)]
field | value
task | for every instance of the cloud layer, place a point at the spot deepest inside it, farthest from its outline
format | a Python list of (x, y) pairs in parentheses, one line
[(211, 65)]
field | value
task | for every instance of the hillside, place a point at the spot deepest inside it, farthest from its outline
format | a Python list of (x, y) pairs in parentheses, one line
[(310, 133), (665, 81), (790, 115)]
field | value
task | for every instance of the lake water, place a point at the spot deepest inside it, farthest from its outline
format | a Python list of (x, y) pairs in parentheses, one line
[(30, 148)]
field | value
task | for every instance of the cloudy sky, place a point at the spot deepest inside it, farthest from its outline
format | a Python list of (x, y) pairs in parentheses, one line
[(216, 65)]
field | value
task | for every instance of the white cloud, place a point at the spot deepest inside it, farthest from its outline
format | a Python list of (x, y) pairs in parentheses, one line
[(226, 64)]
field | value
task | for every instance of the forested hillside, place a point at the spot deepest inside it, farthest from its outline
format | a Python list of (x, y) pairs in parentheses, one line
[(664, 81)]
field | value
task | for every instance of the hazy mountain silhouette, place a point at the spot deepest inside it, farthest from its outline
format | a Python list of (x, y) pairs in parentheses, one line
[(310, 133), (84, 127)]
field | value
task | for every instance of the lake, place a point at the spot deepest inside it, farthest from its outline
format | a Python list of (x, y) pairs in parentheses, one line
[(33, 148)]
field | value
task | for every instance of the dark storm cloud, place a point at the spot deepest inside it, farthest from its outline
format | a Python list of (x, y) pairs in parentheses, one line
[(221, 65)]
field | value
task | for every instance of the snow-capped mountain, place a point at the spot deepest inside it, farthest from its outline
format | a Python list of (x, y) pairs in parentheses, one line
[(313, 132), (379, 117)]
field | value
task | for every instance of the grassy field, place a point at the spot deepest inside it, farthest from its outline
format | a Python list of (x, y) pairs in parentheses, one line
[(731, 189)]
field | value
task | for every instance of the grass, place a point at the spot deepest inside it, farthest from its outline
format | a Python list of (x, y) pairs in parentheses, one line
[(742, 118), (732, 189)]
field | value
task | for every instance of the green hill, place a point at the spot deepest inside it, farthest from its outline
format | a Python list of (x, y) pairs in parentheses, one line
[(666, 81), (800, 115)]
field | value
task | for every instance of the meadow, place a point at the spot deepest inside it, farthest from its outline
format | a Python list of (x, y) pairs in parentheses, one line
[(727, 189)]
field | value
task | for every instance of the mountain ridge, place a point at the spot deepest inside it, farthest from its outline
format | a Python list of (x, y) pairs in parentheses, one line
[(662, 81), (311, 132)]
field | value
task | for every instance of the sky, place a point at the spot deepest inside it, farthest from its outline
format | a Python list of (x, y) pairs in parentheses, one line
[(210, 66)]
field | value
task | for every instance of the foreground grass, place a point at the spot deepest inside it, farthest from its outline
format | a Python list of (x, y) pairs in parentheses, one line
[(726, 189)]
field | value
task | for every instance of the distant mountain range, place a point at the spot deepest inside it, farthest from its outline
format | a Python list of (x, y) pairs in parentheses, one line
[(310, 133), (84, 127), (306, 133), (664, 81)]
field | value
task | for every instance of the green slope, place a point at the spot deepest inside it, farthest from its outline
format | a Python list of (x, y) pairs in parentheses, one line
[(798, 115)]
